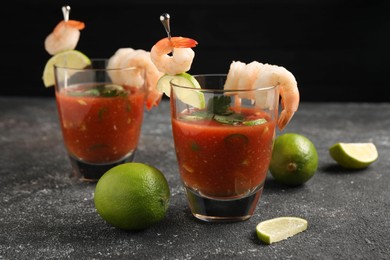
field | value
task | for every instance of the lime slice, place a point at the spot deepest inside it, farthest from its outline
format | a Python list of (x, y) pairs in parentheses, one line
[(71, 58), (354, 155), (277, 229), (190, 97)]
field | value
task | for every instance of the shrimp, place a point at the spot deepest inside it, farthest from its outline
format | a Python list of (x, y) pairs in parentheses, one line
[(255, 74), (128, 57), (182, 55), (65, 35)]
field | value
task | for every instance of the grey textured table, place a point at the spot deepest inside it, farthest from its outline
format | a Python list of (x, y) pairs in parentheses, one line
[(45, 214)]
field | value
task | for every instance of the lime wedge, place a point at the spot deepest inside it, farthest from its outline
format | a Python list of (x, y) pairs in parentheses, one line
[(71, 58), (188, 96), (354, 155), (277, 229)]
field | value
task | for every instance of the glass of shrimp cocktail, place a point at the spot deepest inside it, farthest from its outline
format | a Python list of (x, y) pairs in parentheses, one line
[(100, 116), (223, 141), (100, 101), (223, 127)]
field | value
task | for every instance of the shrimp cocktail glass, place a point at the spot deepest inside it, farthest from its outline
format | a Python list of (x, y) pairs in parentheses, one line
[(223, 126), (223, 140), (100, 101), (101, 113)]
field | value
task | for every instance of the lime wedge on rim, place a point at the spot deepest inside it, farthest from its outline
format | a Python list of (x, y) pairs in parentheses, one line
[(354, 155), (277, 229), (188, 96), (71, 58)]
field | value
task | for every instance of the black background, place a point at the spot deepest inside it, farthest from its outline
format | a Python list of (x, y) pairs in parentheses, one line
[(337, 50)]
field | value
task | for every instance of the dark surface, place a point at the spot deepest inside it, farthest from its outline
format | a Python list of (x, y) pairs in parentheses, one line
[(45, 214), (336, 49)]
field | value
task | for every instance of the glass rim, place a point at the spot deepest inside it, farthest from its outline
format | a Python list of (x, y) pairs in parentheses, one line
[(65, 67), (267, 88)]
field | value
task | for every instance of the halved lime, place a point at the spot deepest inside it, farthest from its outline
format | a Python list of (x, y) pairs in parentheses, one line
[(277, 229), (71, 58), (354, 155), (188, 96)]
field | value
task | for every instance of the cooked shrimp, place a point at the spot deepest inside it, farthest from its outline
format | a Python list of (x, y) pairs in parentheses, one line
[(65, 35), (116, 76), (182, 55), (128, 57), (235, 74), (255, 74)]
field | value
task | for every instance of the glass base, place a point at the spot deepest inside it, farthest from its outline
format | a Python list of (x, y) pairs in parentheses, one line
[(90, 172), (223, 210)]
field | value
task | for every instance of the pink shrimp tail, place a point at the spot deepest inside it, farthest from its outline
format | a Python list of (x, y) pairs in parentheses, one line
[(177, 42), (183, 42), (76, 24), (153, 99), (71, 23), (290, 103), (284, 119)]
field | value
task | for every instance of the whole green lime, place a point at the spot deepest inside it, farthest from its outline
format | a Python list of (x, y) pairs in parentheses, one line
[(132, 196), (294, 159)]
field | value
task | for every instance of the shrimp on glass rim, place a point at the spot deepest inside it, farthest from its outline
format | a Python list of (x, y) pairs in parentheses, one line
[(181, 56), (65, 35), (256, 74), (128, 57)]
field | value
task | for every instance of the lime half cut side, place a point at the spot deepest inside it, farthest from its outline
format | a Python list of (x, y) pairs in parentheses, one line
[(277, 229), (71, 58), (354, 155), (187, 96)]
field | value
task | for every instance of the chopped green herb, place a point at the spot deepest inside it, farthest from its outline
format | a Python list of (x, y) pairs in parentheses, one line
[(218, 108), (111, 91), (235, 140), (89, 93), (101, 112), (128, 106), (101, 91), (258, 121), (219, 105), (196, 115), (195, 146), (97, 146), (232, 119)]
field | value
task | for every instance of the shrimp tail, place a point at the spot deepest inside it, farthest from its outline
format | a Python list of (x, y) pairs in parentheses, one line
[(289, 102), (183, 42), (71, 23), (76, 24), (153, 99), (284, 118)]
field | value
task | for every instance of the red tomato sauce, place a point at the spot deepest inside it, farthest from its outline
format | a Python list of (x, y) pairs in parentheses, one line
[(101, 129), (222, 160)]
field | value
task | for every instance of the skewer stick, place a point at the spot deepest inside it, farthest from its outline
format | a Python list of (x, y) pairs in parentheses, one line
[(164, 18), (65, 12)]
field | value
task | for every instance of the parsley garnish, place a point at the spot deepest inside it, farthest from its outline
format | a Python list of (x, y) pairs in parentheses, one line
[(218, 109), (101, 91), (111, 91), (219, 105)]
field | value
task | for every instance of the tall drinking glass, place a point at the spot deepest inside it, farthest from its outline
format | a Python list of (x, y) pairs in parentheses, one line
[(223, 142), (100, 119)]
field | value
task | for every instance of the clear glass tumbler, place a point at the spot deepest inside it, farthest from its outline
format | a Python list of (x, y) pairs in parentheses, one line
[(223, 142), (100, 116)]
